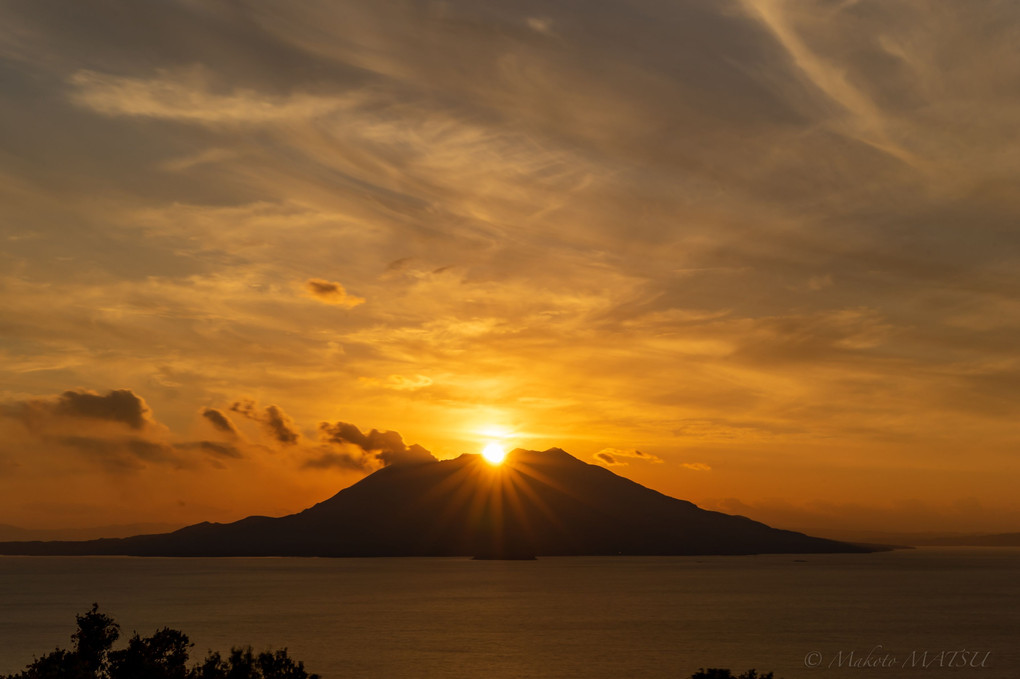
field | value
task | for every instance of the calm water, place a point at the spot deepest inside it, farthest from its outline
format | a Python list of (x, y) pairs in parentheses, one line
[(555, 617)]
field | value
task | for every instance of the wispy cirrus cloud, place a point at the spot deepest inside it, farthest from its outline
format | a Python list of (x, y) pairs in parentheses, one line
[(186, 96)]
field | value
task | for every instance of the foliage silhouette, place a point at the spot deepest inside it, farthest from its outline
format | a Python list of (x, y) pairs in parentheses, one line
[(96, 633), (716, 673), (164, 655)]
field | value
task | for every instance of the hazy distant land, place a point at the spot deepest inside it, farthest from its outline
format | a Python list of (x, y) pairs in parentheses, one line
[(903, 539), (16, 533)]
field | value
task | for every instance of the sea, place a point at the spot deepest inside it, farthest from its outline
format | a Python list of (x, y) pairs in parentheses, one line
[(928, 612)]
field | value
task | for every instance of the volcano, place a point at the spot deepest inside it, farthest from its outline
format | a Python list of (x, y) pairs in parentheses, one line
[(534, 504)]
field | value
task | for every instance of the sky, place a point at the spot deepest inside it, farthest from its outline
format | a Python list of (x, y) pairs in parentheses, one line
[(761, 255)]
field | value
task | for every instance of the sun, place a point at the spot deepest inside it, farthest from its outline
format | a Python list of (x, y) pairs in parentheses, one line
[(494, 453)]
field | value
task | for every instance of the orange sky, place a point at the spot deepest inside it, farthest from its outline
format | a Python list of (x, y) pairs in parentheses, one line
[(758, 255)]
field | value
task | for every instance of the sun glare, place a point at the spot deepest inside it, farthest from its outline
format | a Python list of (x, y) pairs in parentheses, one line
[(494, 453)]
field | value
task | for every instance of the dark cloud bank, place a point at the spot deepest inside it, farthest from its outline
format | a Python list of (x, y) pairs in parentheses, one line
[(365, 451)]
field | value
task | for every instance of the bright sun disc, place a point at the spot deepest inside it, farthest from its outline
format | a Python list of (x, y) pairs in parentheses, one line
[(494, 453)]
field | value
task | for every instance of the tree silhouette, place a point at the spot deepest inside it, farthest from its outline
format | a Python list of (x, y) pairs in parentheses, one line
[(244, 664), (716, 673), (96, 633), (164, 655)]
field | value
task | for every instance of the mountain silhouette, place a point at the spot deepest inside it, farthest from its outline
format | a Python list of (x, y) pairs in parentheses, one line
[(534, 504)]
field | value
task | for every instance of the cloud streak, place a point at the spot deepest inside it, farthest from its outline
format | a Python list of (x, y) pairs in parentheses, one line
[(119, 406), (220, 421), (185, 96), (616, 457), (115, 431), (276, 422)]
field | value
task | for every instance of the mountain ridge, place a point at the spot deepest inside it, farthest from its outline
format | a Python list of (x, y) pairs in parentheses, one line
[(545, 503)]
